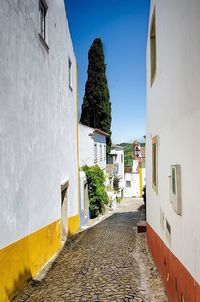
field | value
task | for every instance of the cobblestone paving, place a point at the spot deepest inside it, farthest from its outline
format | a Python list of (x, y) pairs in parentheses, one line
[(108, 262)]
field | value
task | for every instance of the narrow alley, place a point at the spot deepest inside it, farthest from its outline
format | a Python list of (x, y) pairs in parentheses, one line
[(107, 262)]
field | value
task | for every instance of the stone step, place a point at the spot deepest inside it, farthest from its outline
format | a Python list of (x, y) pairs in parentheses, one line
[(141, 226)]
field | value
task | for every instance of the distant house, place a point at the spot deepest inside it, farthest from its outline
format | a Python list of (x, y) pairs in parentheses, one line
[(135, 175), (38, 131), (92, 147), (139, 161), (132, 180), (115, 166), (173, 161), (92, 151)]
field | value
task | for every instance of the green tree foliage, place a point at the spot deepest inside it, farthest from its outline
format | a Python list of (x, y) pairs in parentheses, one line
[(96, 190), (128, 154), (116, 181), (96, 107)]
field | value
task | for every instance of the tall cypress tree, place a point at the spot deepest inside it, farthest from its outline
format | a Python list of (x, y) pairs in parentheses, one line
[(96, 107)]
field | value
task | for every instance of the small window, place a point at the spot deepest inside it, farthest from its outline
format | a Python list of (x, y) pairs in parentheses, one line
[(168, 231), (173, 180), (101, 153), (122, 159), (104, 152), (70, 73), (155, 163), (43, 12), (153, 48), (128, 184), (95, 153), (175, 188)]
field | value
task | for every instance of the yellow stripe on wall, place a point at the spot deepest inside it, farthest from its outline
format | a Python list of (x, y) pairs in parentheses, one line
[(22, 260), (73, 224), (141, 185)]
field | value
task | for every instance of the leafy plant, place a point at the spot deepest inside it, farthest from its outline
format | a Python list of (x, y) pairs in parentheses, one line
[(128, 154), (116, 181), (96, 189), (119, 199)]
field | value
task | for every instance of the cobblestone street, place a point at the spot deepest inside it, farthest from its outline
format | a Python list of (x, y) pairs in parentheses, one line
[(108, 262)]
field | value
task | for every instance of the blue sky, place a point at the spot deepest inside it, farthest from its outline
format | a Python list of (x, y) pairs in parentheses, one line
[(122, 26)]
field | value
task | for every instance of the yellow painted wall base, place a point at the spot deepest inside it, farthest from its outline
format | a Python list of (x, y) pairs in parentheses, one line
[(141, 184), (22, 260), (73, 224)]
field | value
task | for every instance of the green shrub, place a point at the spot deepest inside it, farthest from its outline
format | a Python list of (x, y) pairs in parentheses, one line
[(96, 190), (116, 181), (119, 199)]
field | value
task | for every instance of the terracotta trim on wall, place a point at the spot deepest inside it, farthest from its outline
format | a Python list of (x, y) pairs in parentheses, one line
[(179, 284)]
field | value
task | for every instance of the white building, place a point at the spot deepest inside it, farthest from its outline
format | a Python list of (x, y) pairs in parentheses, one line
[(135, 175), (38, 138), (132, 180), (116, 165), (173, 161), (92, 146), (92, 151)]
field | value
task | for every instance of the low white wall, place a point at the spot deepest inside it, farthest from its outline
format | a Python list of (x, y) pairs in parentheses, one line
[(134, 189)]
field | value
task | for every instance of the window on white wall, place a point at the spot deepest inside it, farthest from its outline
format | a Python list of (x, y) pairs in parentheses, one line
[(175, 188), (95, 153), (43, 22), (70, 73), (155, 163), (101, 153), (153, 48), (128, 184), (122, 159)]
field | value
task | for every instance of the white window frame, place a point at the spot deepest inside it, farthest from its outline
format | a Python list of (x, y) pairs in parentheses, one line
[(175, 188), (155, 164), (104, 152), (153, 56), (95, 153), (43, 7), (43, 19), (101, 152), (128, 182), (70, 73)]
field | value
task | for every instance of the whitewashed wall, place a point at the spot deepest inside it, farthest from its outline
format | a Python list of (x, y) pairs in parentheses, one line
[(173, 113), (88, 136), (119, 160), (86, 145), (134, 189), (38, 119), (100, 140)]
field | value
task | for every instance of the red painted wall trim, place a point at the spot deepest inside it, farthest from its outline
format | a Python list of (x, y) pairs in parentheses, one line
[(180, 286)]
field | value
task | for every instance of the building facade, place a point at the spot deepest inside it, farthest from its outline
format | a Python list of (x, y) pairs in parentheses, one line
[(132, 180), (135, 175), (115, 166), (173, 121), (92, 147), (38, 139), (92, 151)]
